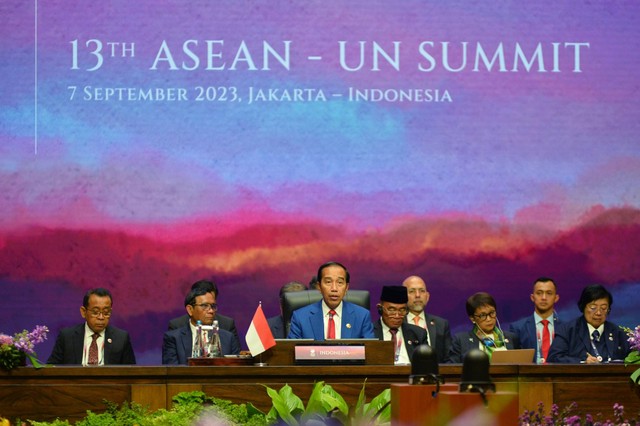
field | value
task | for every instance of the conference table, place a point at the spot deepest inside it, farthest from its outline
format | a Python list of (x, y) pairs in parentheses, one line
[(68, 392)]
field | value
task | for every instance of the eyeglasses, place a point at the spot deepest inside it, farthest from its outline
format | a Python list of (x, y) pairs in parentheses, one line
[(97, 312), (593, 309), (395, 312), (483, 317), (207, 306)]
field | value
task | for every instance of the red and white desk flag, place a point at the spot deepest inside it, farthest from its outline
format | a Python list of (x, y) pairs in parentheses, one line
[(259, 337)]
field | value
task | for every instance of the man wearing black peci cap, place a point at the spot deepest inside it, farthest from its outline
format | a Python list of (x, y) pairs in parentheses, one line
[(391, 325)]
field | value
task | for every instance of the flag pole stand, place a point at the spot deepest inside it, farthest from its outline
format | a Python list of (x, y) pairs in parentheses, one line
[(260, 363)]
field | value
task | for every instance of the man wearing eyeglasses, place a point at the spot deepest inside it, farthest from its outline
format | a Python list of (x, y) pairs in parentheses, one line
[(224, 322), (177, 345), (437, 328), (391, 325), (94, 342), (590, 338)]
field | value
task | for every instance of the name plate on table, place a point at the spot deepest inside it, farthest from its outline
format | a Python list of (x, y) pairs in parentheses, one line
[(329, 354)]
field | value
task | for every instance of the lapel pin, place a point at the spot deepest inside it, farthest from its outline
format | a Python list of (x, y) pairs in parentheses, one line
[(348, 325), (109, 340), (432, 322), (506, 340)]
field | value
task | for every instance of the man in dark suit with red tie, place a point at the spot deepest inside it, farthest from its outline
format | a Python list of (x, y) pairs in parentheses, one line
[(391, 326), (93, 342), (536, 331)]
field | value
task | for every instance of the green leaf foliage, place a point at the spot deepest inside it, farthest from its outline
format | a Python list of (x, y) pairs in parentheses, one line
[(286, 406), (326, 406), (379, 408)]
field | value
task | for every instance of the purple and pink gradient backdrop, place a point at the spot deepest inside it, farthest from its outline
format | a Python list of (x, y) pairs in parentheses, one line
[(523, 174)]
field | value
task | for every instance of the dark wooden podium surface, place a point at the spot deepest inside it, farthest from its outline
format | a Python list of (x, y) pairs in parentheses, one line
[(67, 392)]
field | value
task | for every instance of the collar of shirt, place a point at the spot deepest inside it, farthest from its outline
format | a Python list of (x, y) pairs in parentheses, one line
[(411, 316), (592, 329), (326, 309), (537, 318)]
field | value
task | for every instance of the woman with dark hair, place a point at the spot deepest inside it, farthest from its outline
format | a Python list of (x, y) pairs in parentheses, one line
[(486, 334), (590, 338)]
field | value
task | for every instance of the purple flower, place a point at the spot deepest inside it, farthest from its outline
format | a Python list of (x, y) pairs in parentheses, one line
[(25, 341), (573, 420), (6, 340)]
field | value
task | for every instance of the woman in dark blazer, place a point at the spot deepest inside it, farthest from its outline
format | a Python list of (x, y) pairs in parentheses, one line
[(590, 338), (486, 334)]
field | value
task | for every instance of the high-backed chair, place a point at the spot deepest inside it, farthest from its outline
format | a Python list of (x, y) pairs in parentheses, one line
[(297, 299)]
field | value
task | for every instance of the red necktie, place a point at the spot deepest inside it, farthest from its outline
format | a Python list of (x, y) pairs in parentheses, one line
[(394, 339), (93, 350), (331, 334), (546, 339)]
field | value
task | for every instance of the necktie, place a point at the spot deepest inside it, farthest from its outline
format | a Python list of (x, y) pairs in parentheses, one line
[(546, 339), (93, 350), (416, 320), (331, 334), (394, 340), (596, 335)]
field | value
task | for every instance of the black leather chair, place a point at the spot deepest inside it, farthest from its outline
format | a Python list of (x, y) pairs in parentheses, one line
[(297, 299)]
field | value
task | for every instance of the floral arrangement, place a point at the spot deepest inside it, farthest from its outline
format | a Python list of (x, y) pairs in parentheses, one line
[(567, 418), (634, 355), (14, 350)]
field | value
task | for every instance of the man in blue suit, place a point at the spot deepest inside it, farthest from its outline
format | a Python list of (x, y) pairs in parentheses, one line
[(590, 338), (177, 345), (332, 318), (536, 331)]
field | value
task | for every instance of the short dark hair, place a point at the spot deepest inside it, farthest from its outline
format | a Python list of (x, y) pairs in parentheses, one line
[(546, 280), (594, 292), (314, 283), (100, 292), (210, 286), (326, 265), (477, 300), (190, 299)]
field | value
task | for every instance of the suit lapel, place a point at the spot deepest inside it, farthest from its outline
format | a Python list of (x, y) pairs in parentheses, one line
[(78, 344), (107, 345), (186, 339), (431, 329), (344, 330), (316, 320), (610, 341), (410, 339), (583, 332), (531, 331)]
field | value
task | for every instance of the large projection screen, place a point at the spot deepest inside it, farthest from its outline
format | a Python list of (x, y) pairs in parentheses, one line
[(145, 145)]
